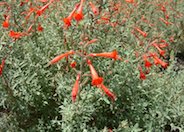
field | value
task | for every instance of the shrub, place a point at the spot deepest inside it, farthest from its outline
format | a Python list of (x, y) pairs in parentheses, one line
[(105, 66)]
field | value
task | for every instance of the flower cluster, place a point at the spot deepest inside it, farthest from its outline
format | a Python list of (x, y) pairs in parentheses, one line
[(39, 11), (149, 50), (96, 81), (151, 58), (77, 13)]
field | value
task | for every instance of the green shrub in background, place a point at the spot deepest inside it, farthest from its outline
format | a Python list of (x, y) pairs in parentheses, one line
[(36, 96)]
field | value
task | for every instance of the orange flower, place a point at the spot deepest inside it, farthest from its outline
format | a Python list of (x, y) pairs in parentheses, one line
[(6, 24), (2, 66), (94, 8), (144, 34), (73, 64), (15, 35), (167, 16), (31, 10), (146, 62), (91, 41), (43, 1), (61, 56), (113, 55), (105, 18), (129, 1), (75, 88), (79, 15), (155, 61), (96, 80), (163, 8), (164, 21), (162, 52), (107, 91), (158, 60), (40, 12), (40, 28), (142, 75), (163, 45), (67, 22), (68, 19)]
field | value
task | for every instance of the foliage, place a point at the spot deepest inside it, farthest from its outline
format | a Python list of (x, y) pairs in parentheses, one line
[(36, 91)]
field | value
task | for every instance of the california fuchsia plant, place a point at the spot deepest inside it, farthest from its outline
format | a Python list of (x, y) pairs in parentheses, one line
[(91, 65)]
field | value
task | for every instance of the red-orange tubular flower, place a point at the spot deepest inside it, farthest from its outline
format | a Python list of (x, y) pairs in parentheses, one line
[(2, 66), (165, 21), (43, 1), (142, 75), (91, 42), (162, 52), (96, 80), (129, 1), (40, 28), (163, 45), (144, 34), (112, 55), (6, 24), (40, 11), (61, 56), (147, 64), (94, 9), (28, 14), (68, 19), (107, 91), (75, 88), (73, 64), (157, 60), (16, 35), (79, 15)]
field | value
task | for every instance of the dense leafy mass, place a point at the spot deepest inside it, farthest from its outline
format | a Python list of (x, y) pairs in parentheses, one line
[(103, 65)]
